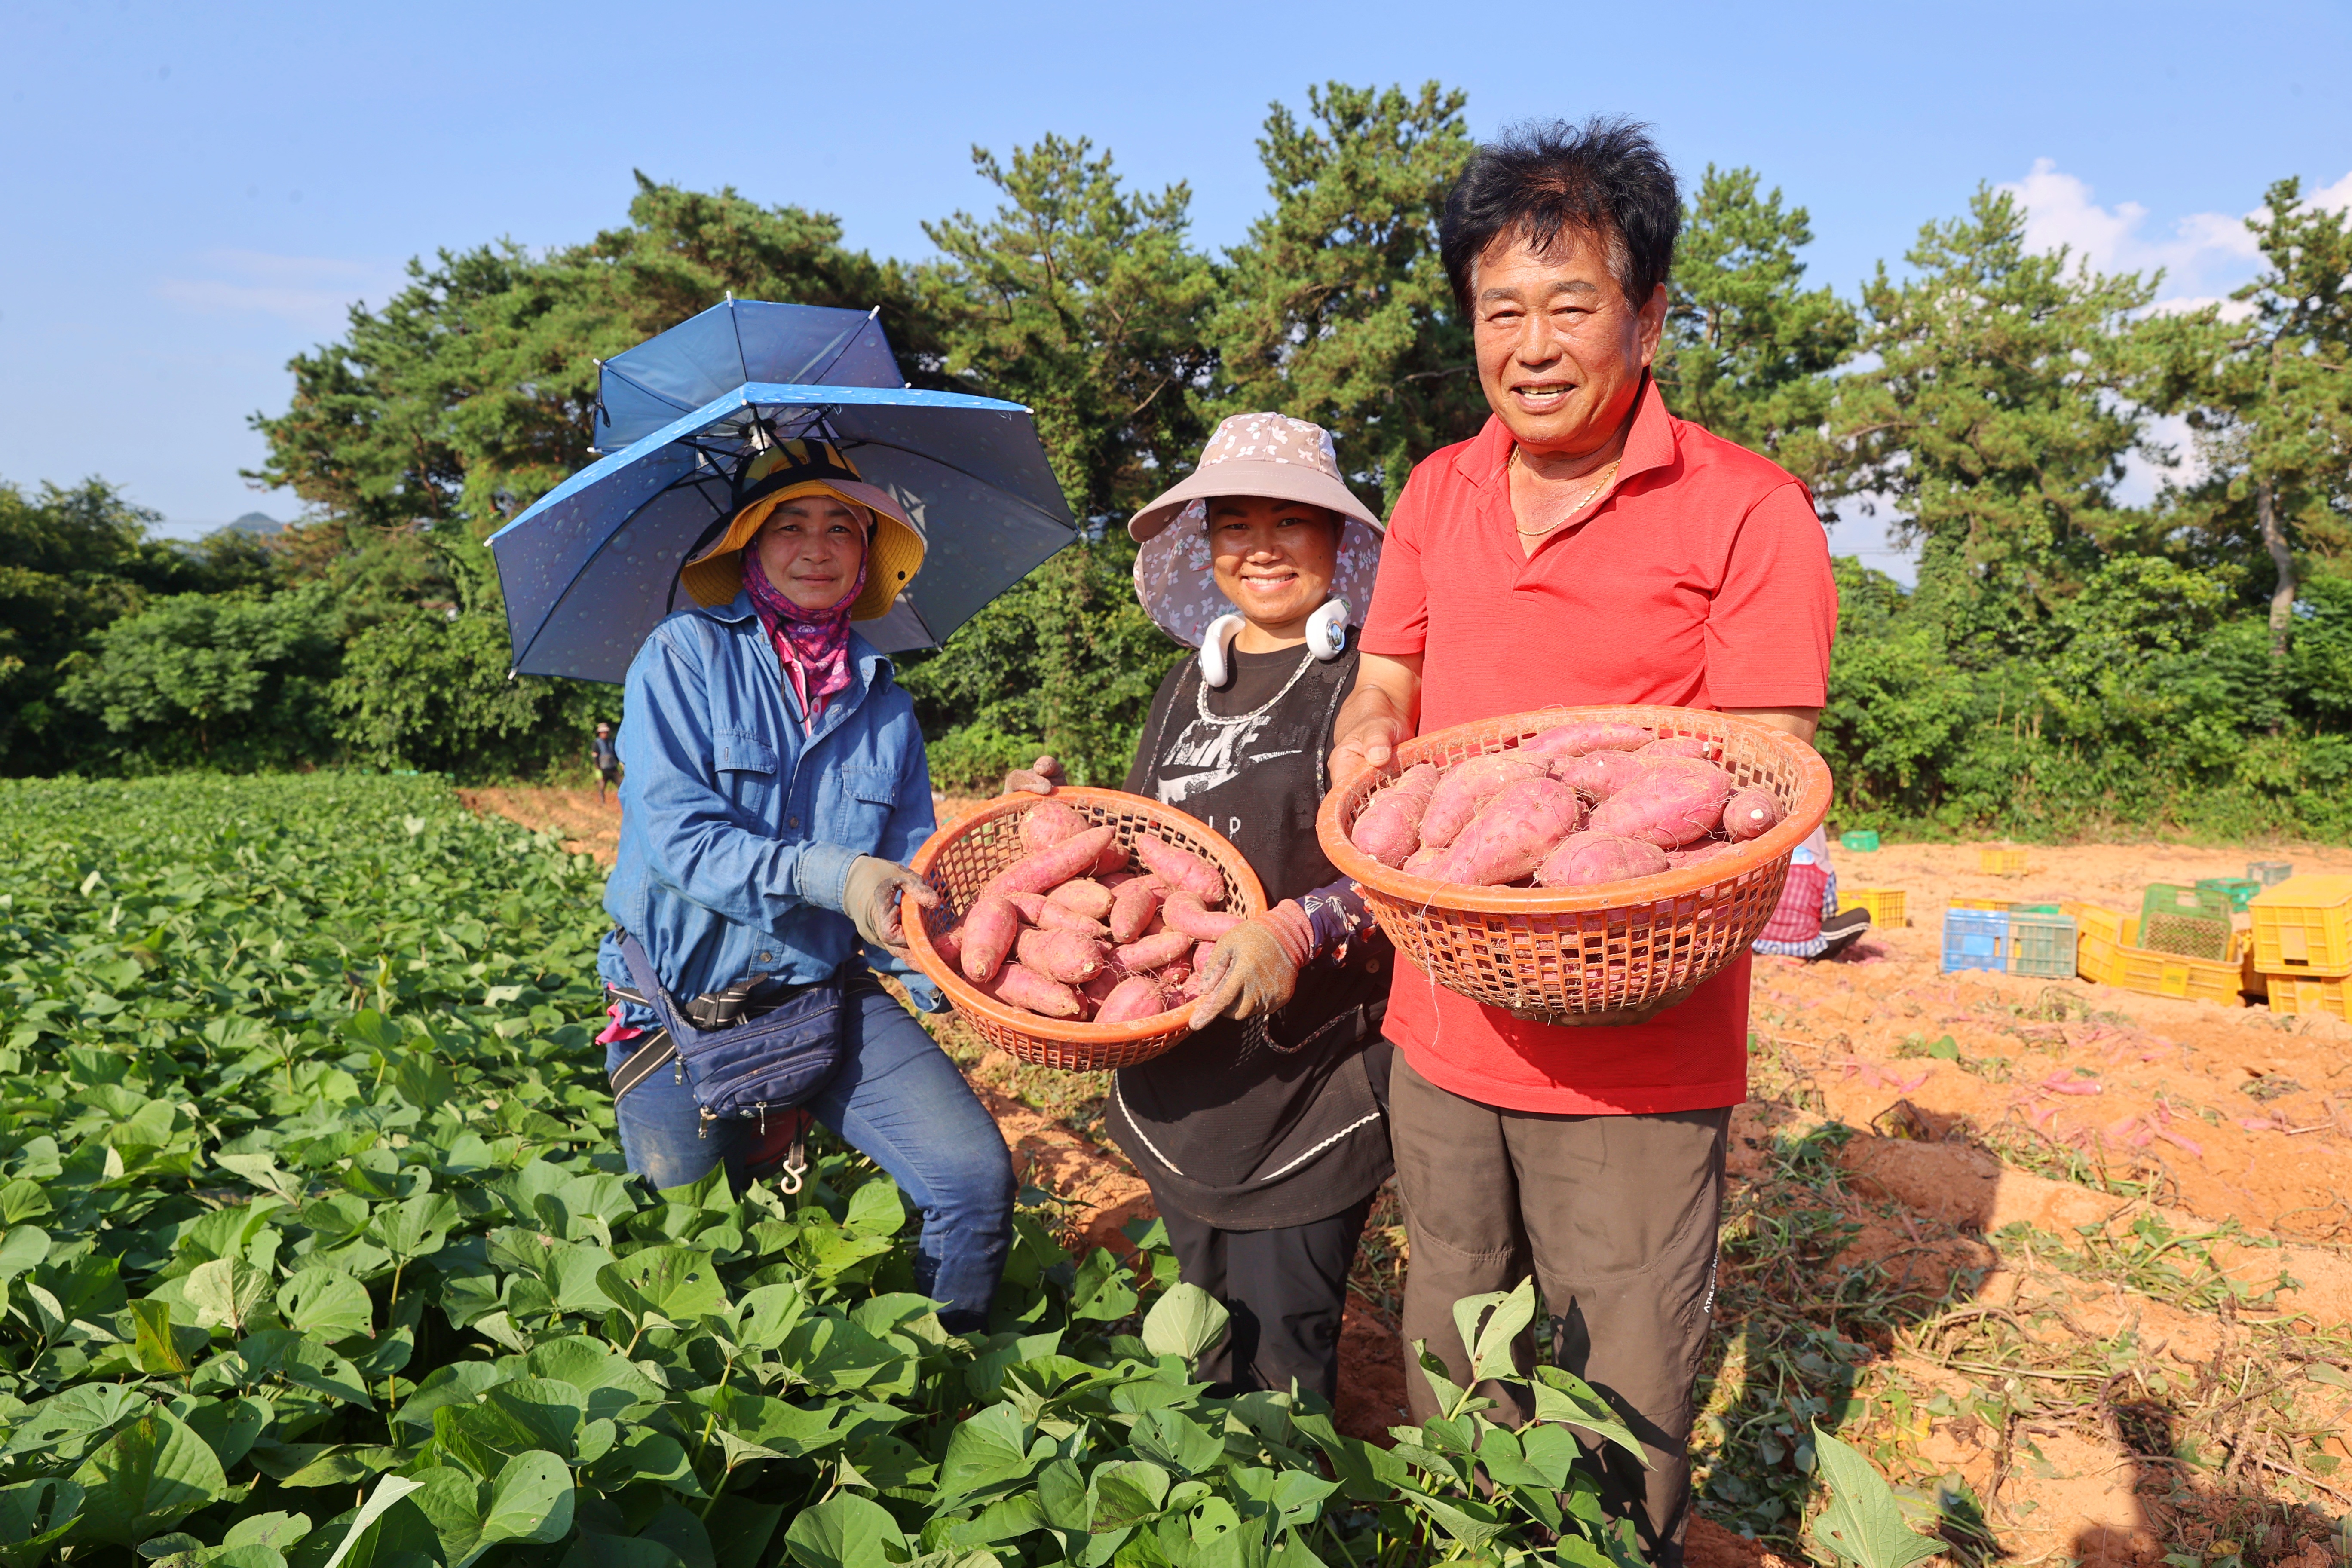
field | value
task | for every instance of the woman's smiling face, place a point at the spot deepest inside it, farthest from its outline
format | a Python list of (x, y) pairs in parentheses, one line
[(810, 547), (1274, 558)]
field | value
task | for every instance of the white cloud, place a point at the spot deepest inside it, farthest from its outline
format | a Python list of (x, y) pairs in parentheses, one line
[(2059, 210), (309, 291), (2205, 256)]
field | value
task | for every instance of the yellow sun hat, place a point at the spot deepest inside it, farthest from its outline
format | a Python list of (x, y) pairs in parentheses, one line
[(808, 468)]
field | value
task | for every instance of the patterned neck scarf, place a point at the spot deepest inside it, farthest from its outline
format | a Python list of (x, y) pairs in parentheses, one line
[(813, 645)]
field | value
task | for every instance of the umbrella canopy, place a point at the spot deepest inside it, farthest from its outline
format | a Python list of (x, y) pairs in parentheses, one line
[(729, 345), (592, 568)]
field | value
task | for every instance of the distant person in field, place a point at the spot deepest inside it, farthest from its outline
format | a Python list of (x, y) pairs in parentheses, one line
[(1807, 923), (776, 784), (606, 758), (1262, 1135), (1586, 547)]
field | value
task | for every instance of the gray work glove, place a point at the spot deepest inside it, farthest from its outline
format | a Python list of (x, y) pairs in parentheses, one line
[(1252, 970), (870, 897), (1042, 776)]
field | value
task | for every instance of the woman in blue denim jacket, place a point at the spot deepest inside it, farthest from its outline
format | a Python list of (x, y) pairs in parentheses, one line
[(775, 782)]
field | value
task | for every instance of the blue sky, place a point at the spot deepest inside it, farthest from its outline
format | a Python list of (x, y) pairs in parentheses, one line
[(196, 192)]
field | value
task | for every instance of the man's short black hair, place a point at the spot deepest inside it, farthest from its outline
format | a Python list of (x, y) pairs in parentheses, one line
[(1605, 178)]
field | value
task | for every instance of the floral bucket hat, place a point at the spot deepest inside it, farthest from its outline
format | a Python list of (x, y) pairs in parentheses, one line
[(1267, 455)]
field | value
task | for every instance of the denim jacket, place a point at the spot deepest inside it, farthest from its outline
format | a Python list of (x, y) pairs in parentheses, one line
[(737, 827)]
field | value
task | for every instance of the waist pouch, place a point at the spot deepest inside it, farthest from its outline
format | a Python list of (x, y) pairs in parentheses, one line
[(743, 1063)]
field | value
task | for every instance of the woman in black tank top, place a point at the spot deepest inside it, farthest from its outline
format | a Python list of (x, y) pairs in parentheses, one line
[(1262, 1135)]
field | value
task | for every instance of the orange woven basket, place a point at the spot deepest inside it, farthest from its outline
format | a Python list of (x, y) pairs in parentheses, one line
[(1611, 953), (958, 860)]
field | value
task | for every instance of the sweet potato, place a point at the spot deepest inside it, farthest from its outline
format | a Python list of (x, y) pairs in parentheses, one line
[(1181, 869), (949, 945), (1200, 955), (1700, 854), (1580, 736), (1750, 812), (1085, 895), (1462, 792), (1172, 975), (1059, 916), (989, 927), (1153, 951), (1113, 858), (1098, 990), (1049, 823), (1597, 776), (1589, 859), (1682, 747), (1063, 955), (1041, 870), (1023, 987), (1031, 905), (1136, 996), (1132, 905), (1183, 913), (1390, 828), (1519, 826), (1424, 862), (1678, 802)]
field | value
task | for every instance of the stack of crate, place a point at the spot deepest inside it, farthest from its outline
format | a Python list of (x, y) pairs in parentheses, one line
[(2009, 938), (2302, 944), (2112, 950)]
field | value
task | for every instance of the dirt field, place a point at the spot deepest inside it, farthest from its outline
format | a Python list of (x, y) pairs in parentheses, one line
[(2073, 1265)]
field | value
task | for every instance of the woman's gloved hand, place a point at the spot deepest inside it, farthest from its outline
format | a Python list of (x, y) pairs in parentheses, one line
[(1042, 776), (871, 895), (1254, 969)]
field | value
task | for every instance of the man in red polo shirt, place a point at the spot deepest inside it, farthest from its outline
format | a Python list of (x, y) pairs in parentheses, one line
[(1585, 547)]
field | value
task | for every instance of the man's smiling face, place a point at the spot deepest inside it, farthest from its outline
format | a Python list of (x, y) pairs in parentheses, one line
[(1561, 353)]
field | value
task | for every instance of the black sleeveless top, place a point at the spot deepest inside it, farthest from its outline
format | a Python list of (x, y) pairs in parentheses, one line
[(1273, 1122)]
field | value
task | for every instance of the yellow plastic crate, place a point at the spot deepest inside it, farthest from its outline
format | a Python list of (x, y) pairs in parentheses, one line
[(2304, 927), (2294, 996), (2104, 953), (2002, 862), (2095, 920), (1885, 904)]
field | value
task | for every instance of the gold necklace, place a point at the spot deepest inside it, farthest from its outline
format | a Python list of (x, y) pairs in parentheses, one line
[(1606, 474)]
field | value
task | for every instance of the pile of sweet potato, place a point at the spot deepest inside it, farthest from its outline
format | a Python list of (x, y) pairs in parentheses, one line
[(1581, 804), (1072, 931)]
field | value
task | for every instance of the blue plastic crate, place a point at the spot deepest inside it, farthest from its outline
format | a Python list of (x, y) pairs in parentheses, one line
[(1976, 939)]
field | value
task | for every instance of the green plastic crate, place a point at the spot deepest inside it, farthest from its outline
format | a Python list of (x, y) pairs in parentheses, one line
[(2239, 890), (1861, 840), (2041, 943), (2192, 922), (2270, 873)]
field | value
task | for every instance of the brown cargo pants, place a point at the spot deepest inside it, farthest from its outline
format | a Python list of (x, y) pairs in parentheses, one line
[(1615, 1216)]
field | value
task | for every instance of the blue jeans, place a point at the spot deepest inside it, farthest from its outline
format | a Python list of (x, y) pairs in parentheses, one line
[(898, 1100)]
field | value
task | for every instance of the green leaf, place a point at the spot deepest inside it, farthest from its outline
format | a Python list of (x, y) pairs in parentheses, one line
[(1863, 1524), (153, 1344), (674, 1284), (529, 1500), (1490, 1345), (416, 1226), (278, 1530), (149, 1475), (34, 1515), (328, 1303), (1103, 1290), (846, 1530), (1175, 1440), (229, 1426), (389, 1490), (1562, 1395), (1184, 1323), (986, 1450), (23, 1247), (875, 1208), (226, 1292)]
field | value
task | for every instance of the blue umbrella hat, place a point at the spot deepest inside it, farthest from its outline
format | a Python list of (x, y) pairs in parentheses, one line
[(592, 567)]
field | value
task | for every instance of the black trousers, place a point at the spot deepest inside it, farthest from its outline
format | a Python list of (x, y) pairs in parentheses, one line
[(1286, 1290)]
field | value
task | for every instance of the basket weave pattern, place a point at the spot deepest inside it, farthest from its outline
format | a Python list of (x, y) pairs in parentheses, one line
[(960, 859), (1628, 948)]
